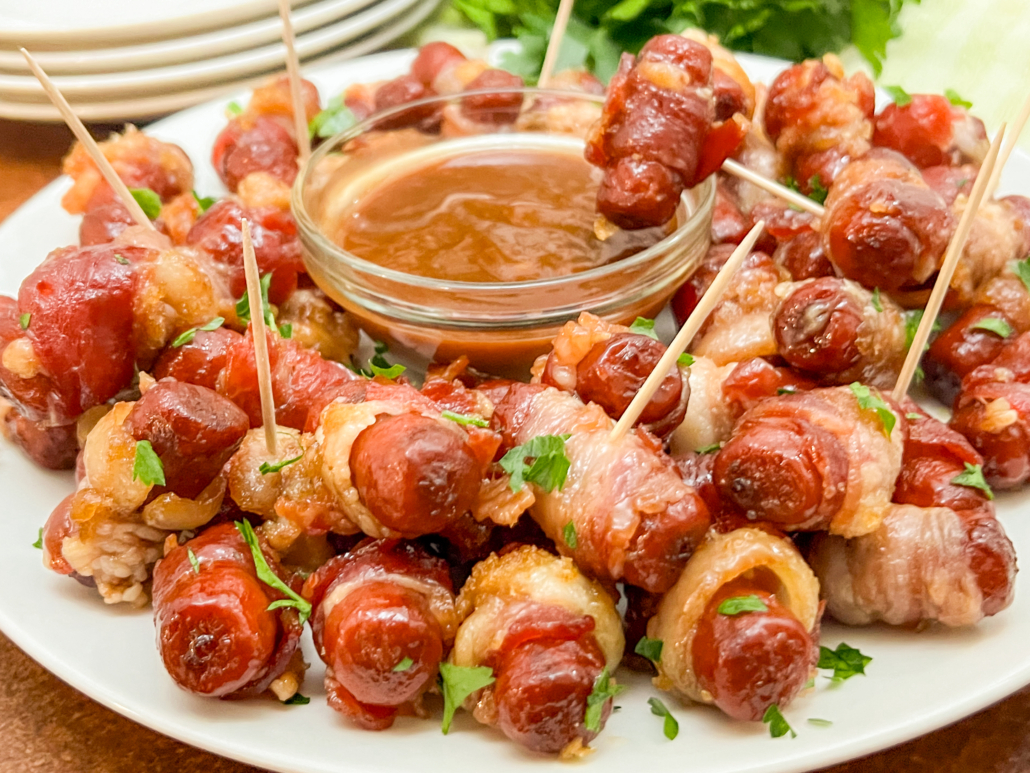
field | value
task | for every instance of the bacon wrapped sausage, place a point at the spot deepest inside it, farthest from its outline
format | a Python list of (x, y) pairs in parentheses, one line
[(742, 662), (930, 131), (549, 634), (656, 136), (819, 119), (884, 227), (383, 620), (606, 364), (215, 633), (634, 518), (814, 460)]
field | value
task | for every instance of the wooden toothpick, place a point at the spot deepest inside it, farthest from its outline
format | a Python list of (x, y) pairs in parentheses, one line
[(1012, 136), (686, 334), (300, 116), (771, 186), (257, 321), (561, 21), (87, 142), (950, 263)]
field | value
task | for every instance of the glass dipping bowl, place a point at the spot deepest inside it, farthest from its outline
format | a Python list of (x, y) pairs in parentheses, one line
[(500, 326)]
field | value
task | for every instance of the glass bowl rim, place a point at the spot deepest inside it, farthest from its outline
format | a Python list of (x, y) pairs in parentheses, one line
[(310, 230)]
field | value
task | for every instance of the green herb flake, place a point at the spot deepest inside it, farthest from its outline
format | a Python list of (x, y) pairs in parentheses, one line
[(297, 700), (121, 259), (568, 534), (604, 690), (819, 722), (549, 467), (464, 420), (286, 330), (809, 684), (193, 560), (710, 449), (404, 665), (147, 465), (818, 190), (643, 326), (189, 335), (24, 320), (270, 578), (738, 605), (266, 467), (204, 203), (956, 100), (845, 661), (973, 477), (671, 727), (234, 109), (913, 416), (457, 683), (912, 320), (243, 304), (336, 118), (868, 401), (38, 544), (899, 95), (786, 391), (686, 360), (876, 300), (778, 725), (379, 365), (649, 648), (995, 325), (148, 201), (1022, 269)]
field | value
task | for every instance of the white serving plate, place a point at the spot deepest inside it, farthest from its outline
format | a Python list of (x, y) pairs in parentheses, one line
[(161, 104), (916, 683), (205, 72), (65, 23), (179, 50)]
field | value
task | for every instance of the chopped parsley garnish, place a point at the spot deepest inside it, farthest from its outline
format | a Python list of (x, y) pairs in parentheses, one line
[(243, 304), (956, 100), (778, 725), (738, 605), (568, 534), (379, 365), (457, 683), (710, 449), (38, 544), (643, 326), (845, 661), (686, 360), (913, 416), (604, 690), (649, 648), (148, 201), (336, 118), (1022, 269), (193, 560), (24, 320), (787, 391), (286, 330), (973, 477), (267, 467), (868, 401), (899, 95), (204, 203), (994, 325), (297, 700), (549, 467), (819, 192), (819, 722), (122, 259), (912, 320), (876, 300), (404, 665), (464, 420), (270, 578), (189, 335), (671, 727), (147, 465), (234, 108)]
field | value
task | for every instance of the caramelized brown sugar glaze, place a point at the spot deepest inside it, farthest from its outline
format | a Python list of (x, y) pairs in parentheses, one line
[(488, 216)]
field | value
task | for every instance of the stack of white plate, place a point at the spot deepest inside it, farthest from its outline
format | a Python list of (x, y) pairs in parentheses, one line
[(125, 59)]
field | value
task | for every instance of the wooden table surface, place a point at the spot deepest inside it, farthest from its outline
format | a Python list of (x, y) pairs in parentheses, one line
[(48, 727)]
